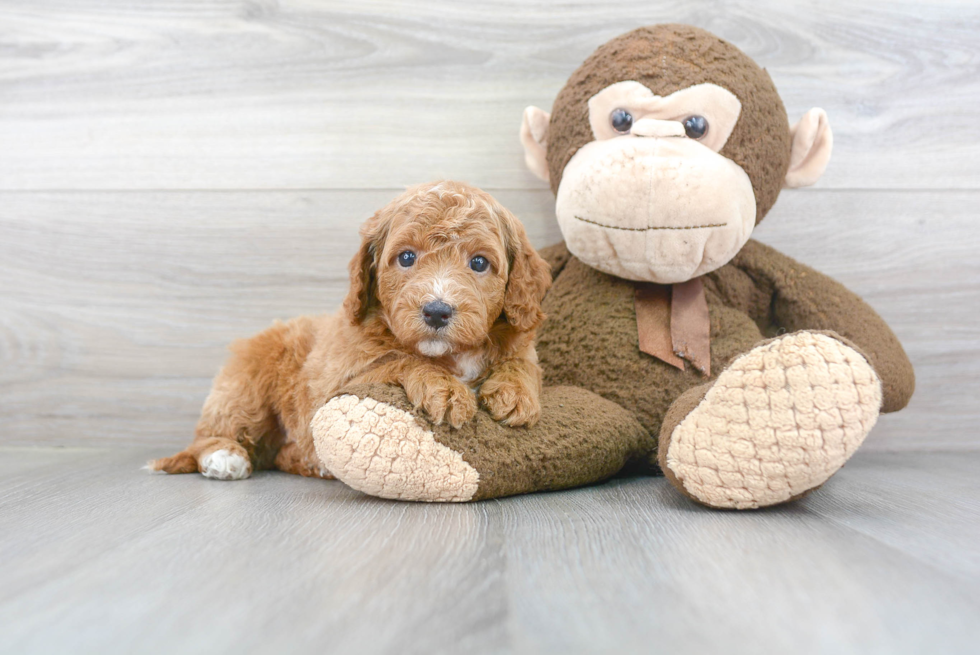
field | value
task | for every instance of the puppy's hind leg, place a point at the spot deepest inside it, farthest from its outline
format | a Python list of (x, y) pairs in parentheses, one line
[(239, 429), (214, 457), (234, 421), (291, 458), (182, 462), (233, 436)]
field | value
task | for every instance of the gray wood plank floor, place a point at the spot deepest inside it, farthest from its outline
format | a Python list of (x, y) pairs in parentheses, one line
[(176, 175), (99, 557)]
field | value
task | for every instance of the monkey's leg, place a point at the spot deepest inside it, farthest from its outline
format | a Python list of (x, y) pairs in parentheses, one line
[(372, 439), (776, 424)]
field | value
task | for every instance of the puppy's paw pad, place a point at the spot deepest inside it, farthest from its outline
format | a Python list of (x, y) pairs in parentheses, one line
[(225, 465)]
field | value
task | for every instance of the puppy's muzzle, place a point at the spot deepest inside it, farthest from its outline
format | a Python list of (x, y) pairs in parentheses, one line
[(437, 314)]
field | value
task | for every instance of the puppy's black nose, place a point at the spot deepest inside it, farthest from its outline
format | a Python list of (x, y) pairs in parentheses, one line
[(437, 314)]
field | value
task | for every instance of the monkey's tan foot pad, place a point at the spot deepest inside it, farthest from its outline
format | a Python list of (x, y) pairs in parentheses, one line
[(385, 451), (781, 420)]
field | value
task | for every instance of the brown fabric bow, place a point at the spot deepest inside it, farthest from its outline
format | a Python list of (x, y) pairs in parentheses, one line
[(673, 323)]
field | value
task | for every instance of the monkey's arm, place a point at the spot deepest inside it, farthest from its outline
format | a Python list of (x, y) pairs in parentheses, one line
[(557, 256), (805, 299), (428, 386)]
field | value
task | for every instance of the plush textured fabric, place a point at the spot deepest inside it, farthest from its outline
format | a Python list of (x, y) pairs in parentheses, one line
[(372, 438), (683, 56), (718, 106), (802, 298), (590, 338), (780, 420), (812, 143), (661, 210), (381, 450)]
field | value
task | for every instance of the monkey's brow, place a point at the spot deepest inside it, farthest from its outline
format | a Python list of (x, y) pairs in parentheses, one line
[(655, 227)]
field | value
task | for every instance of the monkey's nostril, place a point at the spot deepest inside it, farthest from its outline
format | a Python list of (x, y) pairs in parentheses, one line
[(437, 314)]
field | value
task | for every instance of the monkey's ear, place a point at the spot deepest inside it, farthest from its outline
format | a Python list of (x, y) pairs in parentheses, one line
[(812, 143), (534, 138)]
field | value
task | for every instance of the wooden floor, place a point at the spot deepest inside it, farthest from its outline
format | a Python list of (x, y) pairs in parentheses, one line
[(99, 557), (175, 175)]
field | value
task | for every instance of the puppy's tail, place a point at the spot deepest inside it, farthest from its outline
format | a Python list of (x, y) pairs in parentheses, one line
[(182, 462)]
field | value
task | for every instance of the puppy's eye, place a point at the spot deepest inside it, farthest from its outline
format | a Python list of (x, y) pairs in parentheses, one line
[(621, 120), (406, 259), (695, 126), (479, 264)]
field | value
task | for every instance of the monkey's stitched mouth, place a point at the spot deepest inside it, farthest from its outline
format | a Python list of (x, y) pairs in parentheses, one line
[(647, 229)]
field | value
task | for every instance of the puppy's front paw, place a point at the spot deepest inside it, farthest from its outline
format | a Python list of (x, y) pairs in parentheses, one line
[(446, 399), (510, 401)]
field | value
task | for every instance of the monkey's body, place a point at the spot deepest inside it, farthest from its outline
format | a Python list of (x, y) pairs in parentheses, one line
[(590, 338), (664, 149)]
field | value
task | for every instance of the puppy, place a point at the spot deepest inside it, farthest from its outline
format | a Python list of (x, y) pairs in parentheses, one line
[(444, 300)]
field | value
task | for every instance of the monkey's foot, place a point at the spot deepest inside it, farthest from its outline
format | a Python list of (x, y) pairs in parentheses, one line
[(372, 439), (382, 450), (776, 424)]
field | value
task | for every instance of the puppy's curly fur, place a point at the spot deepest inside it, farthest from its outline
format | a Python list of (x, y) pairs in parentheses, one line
[(259, 409)]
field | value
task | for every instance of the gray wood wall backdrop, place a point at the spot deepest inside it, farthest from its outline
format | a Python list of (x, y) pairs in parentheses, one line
[(177, 174)]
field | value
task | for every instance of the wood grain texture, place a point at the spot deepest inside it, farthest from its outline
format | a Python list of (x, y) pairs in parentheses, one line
[(99, 557), (118, 307), (257, 94)]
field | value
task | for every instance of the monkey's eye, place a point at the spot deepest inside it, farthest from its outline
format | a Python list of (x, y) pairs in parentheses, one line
[(695, 126), (479, 264), (406, 259), (621, 120)]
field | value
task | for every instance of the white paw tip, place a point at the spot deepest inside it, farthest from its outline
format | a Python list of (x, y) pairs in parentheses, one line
[(225, 465), (148, 467)]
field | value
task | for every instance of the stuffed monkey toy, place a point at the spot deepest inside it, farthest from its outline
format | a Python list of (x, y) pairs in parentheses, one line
[(674, 343)]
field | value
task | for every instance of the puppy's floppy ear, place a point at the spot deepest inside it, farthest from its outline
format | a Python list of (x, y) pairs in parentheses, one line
[(363, 268), (529, 277)]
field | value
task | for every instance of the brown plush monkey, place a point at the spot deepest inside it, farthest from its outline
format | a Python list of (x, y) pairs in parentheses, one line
[(674, 342)]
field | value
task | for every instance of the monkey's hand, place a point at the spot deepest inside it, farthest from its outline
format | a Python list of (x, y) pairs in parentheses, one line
[(805, 299)]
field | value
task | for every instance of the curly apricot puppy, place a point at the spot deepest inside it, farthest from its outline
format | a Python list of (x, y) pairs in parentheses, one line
[(445, 298)]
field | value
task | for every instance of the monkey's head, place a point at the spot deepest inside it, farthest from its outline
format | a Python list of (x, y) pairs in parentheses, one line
[(665, 149)]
